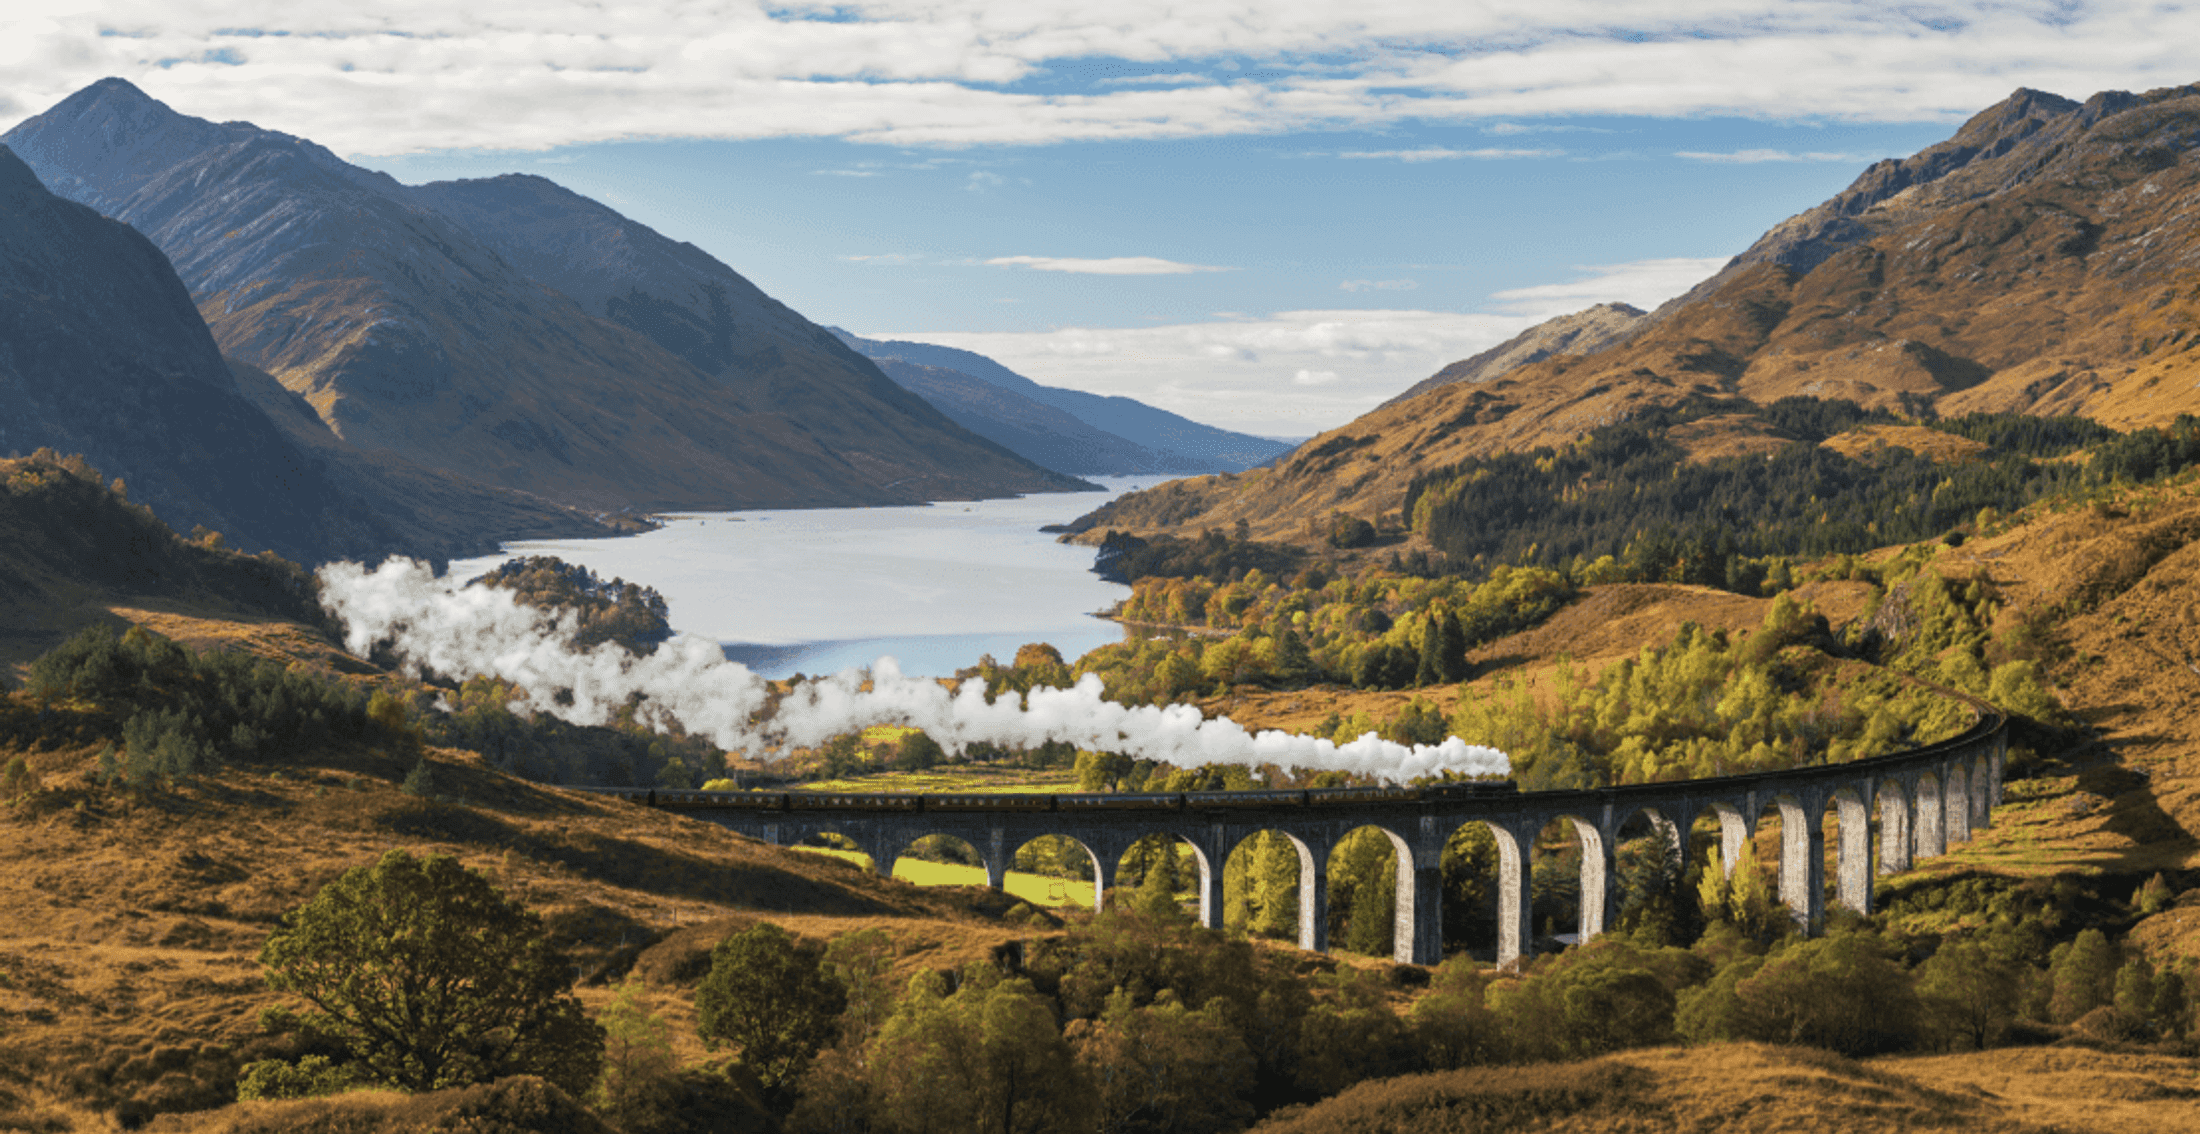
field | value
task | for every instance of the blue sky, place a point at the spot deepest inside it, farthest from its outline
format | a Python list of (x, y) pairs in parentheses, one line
[(1268, 216)]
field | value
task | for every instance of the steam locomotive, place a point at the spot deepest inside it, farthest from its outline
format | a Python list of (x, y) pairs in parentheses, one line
[(1077, 802)]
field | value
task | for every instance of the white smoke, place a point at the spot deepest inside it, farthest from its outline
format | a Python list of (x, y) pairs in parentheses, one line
[(460, 631)]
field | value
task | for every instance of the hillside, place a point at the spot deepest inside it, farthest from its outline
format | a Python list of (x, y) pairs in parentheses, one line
[(1751, 1088), (1582, 332), (407, 331), (1033, 430), (102, 354), (1180, 443), (2038, 262), (72, 549)]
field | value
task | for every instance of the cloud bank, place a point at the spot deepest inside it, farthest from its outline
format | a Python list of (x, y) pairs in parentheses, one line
[(1296, 373), (457, 630), (400, 76)]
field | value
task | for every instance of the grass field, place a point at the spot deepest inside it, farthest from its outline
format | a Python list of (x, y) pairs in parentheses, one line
[(1037, 889)]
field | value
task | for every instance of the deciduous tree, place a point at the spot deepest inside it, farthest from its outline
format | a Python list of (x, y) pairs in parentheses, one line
[(432, 978)]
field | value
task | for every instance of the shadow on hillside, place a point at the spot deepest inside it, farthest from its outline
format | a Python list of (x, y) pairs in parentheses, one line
[(637, 866)]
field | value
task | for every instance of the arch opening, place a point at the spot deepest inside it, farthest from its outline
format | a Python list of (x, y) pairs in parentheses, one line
[(1372, 893), (1269, 889), (1849, 866), (1054, 871), (1162, 874), (1649, 873)]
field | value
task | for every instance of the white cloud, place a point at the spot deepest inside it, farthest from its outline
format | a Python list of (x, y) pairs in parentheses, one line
[(1753, 157), (1289, 374), (1377, 285), (984, 179), (847, 173), (1643, 283), (1415, 157), (396, 76), (1112, 266), (887, 258), (1299, 372)]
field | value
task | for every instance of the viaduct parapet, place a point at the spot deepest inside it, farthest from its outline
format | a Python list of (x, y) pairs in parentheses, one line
[(1905, 806)]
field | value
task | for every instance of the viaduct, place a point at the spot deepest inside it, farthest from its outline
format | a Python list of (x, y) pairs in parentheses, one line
[(1921, 800)]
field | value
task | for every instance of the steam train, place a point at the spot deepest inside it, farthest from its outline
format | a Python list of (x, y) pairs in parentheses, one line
[(1078, 802)]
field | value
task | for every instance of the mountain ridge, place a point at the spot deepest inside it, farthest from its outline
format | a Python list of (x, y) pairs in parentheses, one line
[(2038, 261), (1154, 429), (408, 332)]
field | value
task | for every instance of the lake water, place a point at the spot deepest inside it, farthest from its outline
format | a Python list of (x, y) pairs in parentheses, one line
[(820, 590)]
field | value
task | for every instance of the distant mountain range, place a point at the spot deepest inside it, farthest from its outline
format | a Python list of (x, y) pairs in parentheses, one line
[(1066, 430), (506, 330), (2040, 261)]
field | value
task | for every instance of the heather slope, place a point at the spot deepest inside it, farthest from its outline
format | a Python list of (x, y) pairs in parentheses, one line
[(2040, 261)]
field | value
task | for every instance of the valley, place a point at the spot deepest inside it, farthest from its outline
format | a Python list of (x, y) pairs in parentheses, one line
[(1915, 460)]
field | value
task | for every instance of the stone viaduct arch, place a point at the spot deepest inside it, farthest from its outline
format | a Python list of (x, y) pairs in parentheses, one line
[(1922, 801)]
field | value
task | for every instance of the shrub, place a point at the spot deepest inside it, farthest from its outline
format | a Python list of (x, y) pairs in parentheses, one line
[(310, 1076)]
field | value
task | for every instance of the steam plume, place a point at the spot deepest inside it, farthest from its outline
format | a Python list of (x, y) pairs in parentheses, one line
[(461, 631)]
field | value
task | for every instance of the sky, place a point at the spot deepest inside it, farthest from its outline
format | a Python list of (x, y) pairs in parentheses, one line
[(1266, 216)]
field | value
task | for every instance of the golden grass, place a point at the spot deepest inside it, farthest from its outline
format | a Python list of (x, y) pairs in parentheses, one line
[(1751, 1088)]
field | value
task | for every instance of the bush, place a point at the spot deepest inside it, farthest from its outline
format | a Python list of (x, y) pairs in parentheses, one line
[(310, 1076)]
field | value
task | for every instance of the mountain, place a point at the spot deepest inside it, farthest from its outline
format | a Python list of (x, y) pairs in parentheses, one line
[(2039, 261), (1037, 432), (409, 331), (1166, 434), (1582, 332), (103, 354)]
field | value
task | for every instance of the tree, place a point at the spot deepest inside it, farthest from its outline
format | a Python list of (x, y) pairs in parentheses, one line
[(988, 1059), (1164, 1067), (918, 752), (1967, 993), (2084, 976), (769, 996), (639, 1070), (432, 978)]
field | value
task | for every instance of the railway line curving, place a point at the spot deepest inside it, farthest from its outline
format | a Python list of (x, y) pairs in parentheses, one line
[(1889, 812)]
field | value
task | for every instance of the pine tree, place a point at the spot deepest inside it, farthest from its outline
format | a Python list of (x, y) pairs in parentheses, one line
[(1276, 886), (1451, 654)]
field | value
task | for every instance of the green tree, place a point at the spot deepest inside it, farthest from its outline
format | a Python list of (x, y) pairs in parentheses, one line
[(1102, 771), (860, 961), (769, 996), (1836, 992), (989, 1059), (432, 978), (2083, 976), (1967, 994), (918, 752), (640, 1074), (1164, 1067)]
